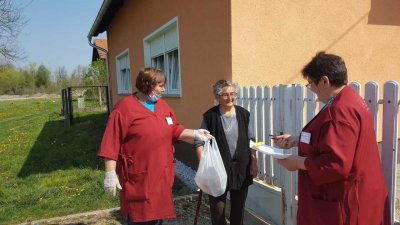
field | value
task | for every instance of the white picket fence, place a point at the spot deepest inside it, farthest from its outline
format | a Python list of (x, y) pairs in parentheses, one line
[(287, 108)]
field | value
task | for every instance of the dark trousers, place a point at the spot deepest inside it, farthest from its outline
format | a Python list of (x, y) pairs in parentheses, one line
[(217, 207)]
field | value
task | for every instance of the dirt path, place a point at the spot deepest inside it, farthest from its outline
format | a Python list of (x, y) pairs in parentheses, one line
[(23, 97)]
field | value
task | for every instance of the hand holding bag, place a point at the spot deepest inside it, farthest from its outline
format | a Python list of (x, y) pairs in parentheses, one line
[(211, 175)]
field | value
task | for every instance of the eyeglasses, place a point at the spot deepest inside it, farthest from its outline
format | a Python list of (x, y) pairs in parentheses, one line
[(226, 95), (309, 83)]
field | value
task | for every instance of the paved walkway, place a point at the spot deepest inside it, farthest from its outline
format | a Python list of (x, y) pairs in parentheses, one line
[(185, 210)]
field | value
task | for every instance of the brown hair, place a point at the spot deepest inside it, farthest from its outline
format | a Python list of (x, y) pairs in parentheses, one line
[(148, 78), (329, 65)]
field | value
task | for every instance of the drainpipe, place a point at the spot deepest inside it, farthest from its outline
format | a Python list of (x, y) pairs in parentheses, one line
[(107, 71)]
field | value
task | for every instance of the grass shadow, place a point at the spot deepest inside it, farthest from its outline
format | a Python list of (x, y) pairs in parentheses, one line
[(60, 147)]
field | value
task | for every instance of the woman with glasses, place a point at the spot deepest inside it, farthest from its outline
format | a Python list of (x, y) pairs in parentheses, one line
[(340, 178), (229, 124)]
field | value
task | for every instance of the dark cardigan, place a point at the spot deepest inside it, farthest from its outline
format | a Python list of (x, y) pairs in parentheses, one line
[(238, 167)]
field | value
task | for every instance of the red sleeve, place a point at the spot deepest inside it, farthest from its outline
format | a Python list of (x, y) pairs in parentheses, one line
[(337, 146), (113, 136), (177, 129)]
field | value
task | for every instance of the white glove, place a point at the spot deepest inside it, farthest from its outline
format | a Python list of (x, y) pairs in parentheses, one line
[(202, 135), (111, 182)]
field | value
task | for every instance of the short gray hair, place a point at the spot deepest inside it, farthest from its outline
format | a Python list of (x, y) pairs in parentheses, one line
[(219, 85)]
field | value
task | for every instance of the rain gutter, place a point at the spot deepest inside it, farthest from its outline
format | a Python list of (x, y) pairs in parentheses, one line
[(92, 33)]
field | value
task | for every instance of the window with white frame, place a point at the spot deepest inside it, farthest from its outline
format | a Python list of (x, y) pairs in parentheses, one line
[(161, 50), (124, 73)]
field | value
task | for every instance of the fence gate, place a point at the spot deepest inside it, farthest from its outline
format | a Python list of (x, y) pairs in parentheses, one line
[(84, 100)]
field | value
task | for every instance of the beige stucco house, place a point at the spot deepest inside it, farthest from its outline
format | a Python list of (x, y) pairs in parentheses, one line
[(257, 42)]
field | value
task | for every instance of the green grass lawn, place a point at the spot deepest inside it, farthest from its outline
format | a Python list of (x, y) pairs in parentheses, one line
[(48, 169)]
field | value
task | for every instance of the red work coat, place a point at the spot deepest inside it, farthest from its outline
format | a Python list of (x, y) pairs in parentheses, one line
[(343, 183), (141, 142)]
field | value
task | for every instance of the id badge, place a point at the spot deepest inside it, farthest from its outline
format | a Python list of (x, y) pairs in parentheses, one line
[(305, 137), (169, 120)]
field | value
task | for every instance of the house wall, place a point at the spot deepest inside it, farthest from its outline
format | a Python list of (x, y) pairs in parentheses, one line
[(273, 40), (205, 47), (261, 42)]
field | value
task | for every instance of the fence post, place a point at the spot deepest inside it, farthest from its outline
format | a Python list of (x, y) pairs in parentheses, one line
[(66, 103), (252, 109), (63, 105), (311, 104), (100, 97), (268, 161), (299, 124), (289, 119), (70, 110), (108, 101), (277, 129), (371, 99), (356, 86), (260, 130), (245, 95), (389, 140)]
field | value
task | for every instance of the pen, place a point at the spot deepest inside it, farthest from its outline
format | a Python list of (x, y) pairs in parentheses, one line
[(272, 136)]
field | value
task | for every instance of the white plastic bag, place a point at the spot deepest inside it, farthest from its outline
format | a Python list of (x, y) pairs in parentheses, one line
[(211, 175)]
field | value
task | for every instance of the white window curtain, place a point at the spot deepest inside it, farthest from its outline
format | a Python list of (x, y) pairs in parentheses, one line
[(158, 62), (173, 70), (124, 75)]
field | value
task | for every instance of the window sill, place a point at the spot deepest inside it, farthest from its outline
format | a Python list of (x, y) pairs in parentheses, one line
[(124, 94), (172, 95)]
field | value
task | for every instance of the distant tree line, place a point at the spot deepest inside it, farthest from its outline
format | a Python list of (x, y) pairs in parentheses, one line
[(35, 78), (38, 79)]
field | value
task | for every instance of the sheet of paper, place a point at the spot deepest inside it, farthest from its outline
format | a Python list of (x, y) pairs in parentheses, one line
[(277, 153)]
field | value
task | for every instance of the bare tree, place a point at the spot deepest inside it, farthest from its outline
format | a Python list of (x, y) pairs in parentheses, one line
[(11, 23), (78, 75), (61, 77)]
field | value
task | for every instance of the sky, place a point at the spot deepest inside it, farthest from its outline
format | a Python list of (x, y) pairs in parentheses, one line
[(55, 33)]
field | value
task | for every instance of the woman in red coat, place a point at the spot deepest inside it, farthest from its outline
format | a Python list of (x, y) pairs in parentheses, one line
[(340, 175), (139, 137)]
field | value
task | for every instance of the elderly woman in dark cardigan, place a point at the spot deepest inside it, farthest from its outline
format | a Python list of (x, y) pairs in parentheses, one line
[(229, 124)]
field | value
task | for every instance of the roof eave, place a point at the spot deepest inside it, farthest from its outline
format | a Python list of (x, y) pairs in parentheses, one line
[(96, 27)]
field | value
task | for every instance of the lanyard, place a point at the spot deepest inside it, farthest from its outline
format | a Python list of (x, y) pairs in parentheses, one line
[(328, 103)]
